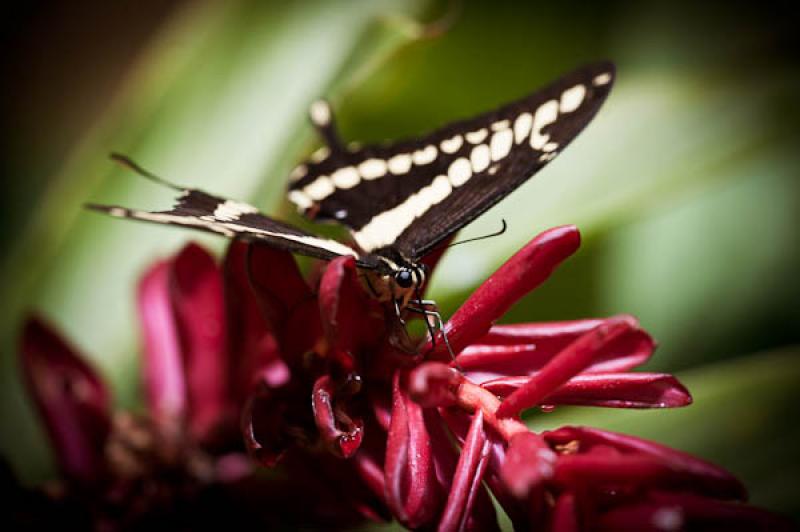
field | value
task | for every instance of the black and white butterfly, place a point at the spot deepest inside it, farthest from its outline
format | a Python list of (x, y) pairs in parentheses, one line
[(401, 200)]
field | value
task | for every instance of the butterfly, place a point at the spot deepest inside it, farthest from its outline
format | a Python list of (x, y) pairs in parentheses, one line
[(402, 199)]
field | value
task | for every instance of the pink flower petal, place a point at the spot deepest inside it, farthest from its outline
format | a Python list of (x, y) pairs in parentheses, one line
[(618, 390), (368, 463), (607, 469), (233, 467), (711, 478), (286, 303), (523, 272), (518, 510), (528, 463), (433, 384), (482, 515), (445, 455), (410, 482), (381, 407), (550, 337), (301, 333), (332, 497), (197, 302), (266, 365), (276, 419), (253, 351), (684, 511), (162, 361), (277, 284), (262, 425), (565, 517), (514, 350), (467, 480), (343, 441), (71, 398), (353, 321), (569, 362)]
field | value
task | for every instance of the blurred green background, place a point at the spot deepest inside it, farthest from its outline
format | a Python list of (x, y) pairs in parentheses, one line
[(685, 186)]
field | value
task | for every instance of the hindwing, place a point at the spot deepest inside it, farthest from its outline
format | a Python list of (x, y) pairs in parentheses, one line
[(199, 210)]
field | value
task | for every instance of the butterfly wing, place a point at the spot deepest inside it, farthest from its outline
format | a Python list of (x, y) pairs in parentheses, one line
[(386, 194), (199, 210)]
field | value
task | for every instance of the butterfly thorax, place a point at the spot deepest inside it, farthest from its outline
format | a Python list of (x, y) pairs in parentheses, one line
[(395, 279)]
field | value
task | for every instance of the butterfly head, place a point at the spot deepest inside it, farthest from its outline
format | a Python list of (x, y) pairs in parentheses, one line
[(405, 278), (395, 280)]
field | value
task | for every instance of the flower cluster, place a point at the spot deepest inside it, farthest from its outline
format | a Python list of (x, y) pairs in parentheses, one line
[(349, 426)]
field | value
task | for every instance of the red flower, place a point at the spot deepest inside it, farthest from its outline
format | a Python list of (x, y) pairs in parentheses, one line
[(391, 418), (181, 463), (354, 427)]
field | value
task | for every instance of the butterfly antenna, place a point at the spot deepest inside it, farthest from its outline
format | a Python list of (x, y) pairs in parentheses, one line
[(483, 237), (127, 162)]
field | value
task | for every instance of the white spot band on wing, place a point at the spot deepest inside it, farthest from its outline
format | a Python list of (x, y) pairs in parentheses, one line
[(299, 198), (400, 164), (345, 177), (452, 144), (459, 172), (231, 210), (480, 158), (230, 229), (601, 79), (550, 146), (372, 168), (545, 115), (522, 126), (321, 188), (424, 156), (385, 227), (501, 143), (476, 137), (500, 125), (348, 177), (571, 98)]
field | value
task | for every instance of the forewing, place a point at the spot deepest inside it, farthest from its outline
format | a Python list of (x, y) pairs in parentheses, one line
[(199, 210), (411, 195)]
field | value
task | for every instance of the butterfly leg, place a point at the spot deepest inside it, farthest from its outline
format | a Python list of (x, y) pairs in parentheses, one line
[(399, 314), (423, 303), (408, 341)]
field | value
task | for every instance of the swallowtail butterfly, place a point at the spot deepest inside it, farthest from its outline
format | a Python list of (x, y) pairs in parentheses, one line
[(401, 200)]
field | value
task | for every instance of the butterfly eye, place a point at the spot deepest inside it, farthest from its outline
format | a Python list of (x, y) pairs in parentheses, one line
[(403, 278)]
